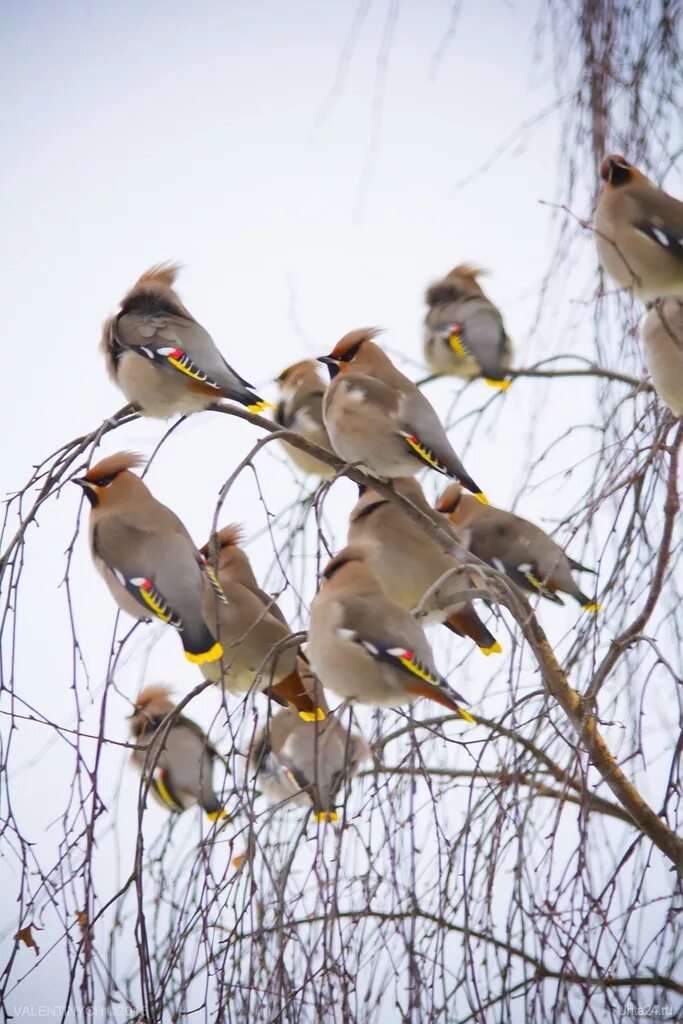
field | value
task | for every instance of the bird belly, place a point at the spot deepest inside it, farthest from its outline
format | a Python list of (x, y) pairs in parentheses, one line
[(125, 600), (441, 358), (159, 392), (666, 370)]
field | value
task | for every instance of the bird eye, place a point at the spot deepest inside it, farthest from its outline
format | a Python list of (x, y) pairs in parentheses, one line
[(104, 481), (351, 354)]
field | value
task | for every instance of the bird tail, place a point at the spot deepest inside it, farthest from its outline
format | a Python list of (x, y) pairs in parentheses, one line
[(581, 568), (589, 604), (293, 690), (440, 694), (199, 644), (215, 811), (466, 622)]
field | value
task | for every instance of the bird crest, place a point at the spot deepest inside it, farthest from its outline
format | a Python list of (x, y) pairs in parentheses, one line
[(114, 464)]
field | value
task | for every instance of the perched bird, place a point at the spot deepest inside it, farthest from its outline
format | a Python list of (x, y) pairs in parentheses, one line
[(146, 556), (464, 332), (305, 762), (301, 409), (639, 232), (407, 562), (517, 548), (367, 648), (661, 331), (178, 760), (379, 420), (250, 626), (162, 359)]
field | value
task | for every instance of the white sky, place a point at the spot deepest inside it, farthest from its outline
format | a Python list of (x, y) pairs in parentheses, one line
[(142, 131)]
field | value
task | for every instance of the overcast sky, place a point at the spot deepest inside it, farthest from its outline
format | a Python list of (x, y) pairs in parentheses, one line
[(309, 186)]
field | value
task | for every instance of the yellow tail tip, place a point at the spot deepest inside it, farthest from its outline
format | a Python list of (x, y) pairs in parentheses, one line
[(495, 648), (260, 406), (313, 716), (480, 496), (467, 716), (213, 654), (592, 606), (220, 815), (326, 816), (502, 385)]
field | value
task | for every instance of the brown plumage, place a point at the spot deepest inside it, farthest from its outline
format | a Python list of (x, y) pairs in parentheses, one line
[(301, 409), (639, 232)]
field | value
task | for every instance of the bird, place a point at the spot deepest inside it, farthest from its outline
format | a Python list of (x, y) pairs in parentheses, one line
[(407, 562), (464, 333), (661, 331), (638, 232), (301, 409), (162, 359), (250, 626), (305, 762), (365, 647), (146, 556), (516, 547), (379, 420), (177, 759)]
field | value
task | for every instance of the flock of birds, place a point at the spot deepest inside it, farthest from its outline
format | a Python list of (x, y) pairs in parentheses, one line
[(364, 642)]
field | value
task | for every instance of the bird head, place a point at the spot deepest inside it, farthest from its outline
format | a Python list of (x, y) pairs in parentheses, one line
[(110, 476), (297, 374), (349, 353), (616, 170), (152, 702), (450, 499)]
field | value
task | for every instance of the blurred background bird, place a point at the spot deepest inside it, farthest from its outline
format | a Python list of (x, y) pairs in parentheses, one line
[(148, 559), (639, 232), (365, 647), (379, 420), (661, 331), (253, 632), (516, 547), (301, 409), (177, 759), (306, 762), (464, 333), (162, 359), (407, 562)]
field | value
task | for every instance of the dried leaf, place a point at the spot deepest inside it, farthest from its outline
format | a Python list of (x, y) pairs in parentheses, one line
[(25, 935)]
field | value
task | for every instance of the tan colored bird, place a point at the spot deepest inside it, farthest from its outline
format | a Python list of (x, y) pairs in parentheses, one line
[(639, 232), (306, 762), (301, 409), (464, 332), (252, 630), (407, 562), (162, 359), (146, 556), (661, 331), (516, 547), (178, 760), (378, 420), (367, 648)]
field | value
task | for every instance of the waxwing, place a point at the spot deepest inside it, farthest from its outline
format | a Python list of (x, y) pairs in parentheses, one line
[(464, 332), (367, 648), (254, 633), (661, 331), (178, 760), (639, 232), (162, 359), (301, 409), (305, 762), (407, 562), (378, 420), (516, 547), (146, 556)]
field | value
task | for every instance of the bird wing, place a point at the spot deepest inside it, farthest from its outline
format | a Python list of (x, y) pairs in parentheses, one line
[(512, 553), (426, 437), (301, 412), (660, 217), (181, 346)]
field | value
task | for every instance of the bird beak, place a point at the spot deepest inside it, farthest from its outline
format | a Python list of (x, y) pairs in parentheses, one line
[(88, 487), (331, 364)]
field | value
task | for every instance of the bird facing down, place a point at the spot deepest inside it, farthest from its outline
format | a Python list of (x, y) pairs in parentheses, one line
[(301, 409), (639, 232), (162, 359), (464, 332), (179, 760), (407, 562), (146, 556), (365, 647), (661, 331), (249, 626), (378, 420), (516, 547), (306, 762)]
